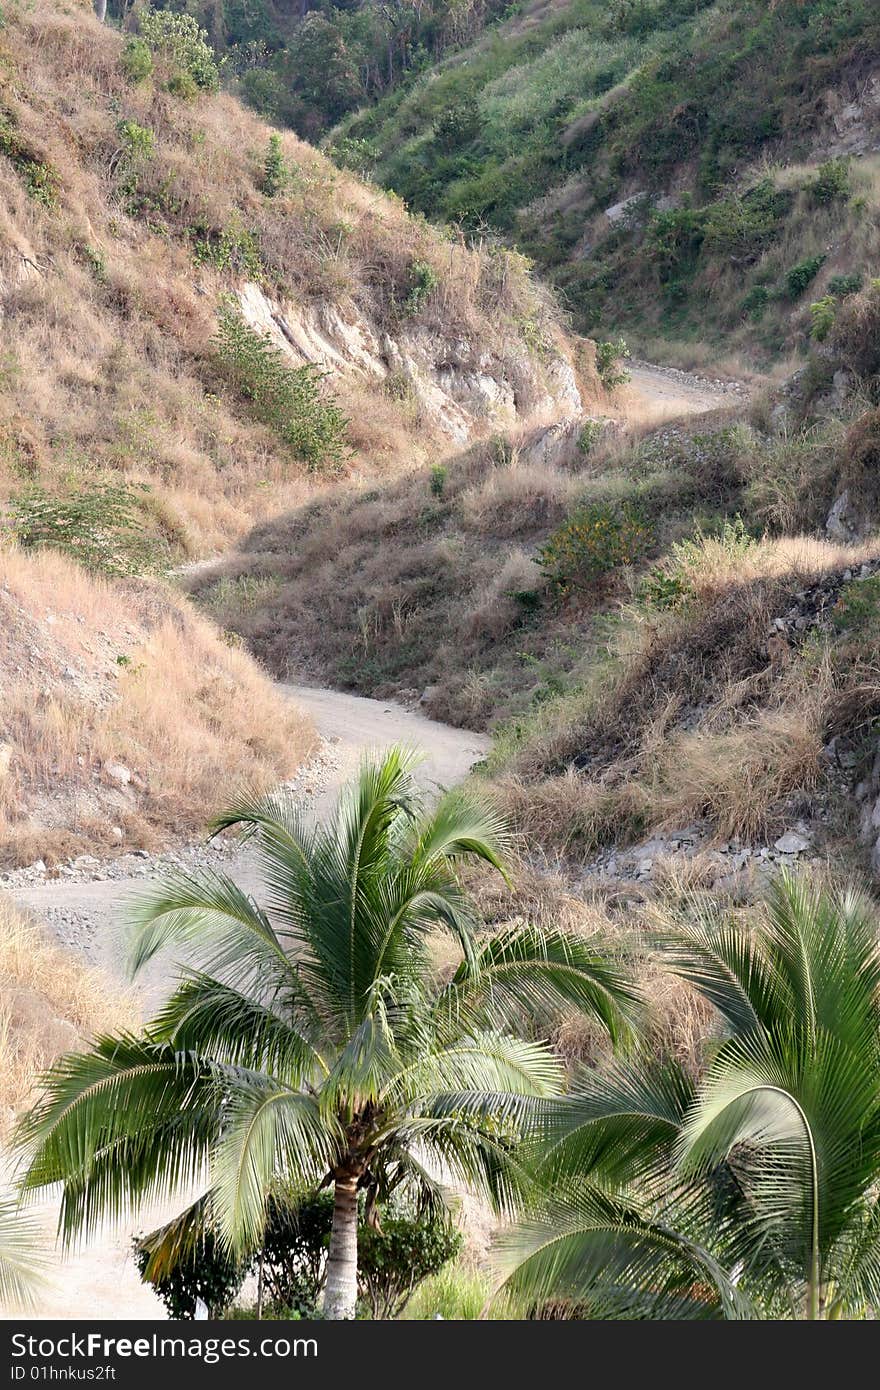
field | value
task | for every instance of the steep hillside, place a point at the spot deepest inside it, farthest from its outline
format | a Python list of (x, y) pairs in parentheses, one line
[(152, 233), (124, 717), (678, 166)]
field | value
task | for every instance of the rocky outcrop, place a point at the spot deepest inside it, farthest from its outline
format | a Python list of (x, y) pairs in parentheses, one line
[(462, 389)]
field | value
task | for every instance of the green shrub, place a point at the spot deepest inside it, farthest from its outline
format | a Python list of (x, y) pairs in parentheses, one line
[(276, 175), (99, 525), (137, 60), (394, 1259), (288, 399), (755, 302), (438, 479), (227, 248), (843, 285), (797, 279), (822, 315), (138, 141), (179, 40), (608, 359), (39, 178), (831, 183), (588, 436), (663, 590), (207, 1272), (744, 224), (595, 540), (423, 280)]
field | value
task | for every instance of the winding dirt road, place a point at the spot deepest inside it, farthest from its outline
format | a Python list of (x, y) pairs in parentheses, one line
[(101, 1281)]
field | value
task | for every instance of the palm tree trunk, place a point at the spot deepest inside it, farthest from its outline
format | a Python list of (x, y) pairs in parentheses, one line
[(340, 1291)]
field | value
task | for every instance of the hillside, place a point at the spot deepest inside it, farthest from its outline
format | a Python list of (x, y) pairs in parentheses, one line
[(152, 235), (692, 173), (205, 325)]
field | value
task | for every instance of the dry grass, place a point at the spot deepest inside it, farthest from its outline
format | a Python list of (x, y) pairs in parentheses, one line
[(108, 367), (95, 674), (698, 716), (50, 1003)]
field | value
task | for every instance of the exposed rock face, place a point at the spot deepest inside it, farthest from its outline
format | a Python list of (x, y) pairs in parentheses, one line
[(461, 389), (853, 117)]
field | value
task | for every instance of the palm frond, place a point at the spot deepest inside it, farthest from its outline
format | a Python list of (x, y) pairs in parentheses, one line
[(22, 1262)]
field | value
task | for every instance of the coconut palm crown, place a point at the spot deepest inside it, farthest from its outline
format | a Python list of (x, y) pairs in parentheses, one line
[(753, 1191), (311, 1042)]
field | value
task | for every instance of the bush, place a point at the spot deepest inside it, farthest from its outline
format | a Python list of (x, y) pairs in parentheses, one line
[(744, 224), (276, 175), (608, 359), (831, 182), (797, 279), (822, 314), (590, 433), (394, 1259), (856, 332), (181, 42), (39, 178), (755, 302), (423, 280), (841, 286), (137, 60), (207, 1272), (98, 525), (288, 399), (597, 539), (438, 479)]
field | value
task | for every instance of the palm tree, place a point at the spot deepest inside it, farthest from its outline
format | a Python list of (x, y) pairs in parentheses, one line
[(311, 1042), (755, 1191)]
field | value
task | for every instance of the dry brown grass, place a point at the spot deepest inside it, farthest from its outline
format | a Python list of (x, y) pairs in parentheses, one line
[(93, 674), (108, 367), (698, 717), (50, 1003)]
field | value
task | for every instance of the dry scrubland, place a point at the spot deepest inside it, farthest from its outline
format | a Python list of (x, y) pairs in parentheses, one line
[(50, 1003), (116, 247), (99, 680)]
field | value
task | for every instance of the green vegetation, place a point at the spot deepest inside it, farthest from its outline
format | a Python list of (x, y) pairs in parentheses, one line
[(291, 400), (180, 43), (397, 1249), (592, 542), (752, 1191), (40, 179), (99, 524), (332, 1049)]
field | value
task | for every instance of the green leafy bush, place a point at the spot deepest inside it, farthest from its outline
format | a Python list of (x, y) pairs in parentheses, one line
[(39, 178), (843, 285), (797, 279), (288, 399), (206, 1271), (831, 183), (137, 60), (423, 280), (438, 479), (98, 524), (276, 175), (595, 540), (822, 315), (588, 436), (608, 359), (179, 40), (755, 302), (232, 248), (663, 590), (744, 224), (396, 1257)]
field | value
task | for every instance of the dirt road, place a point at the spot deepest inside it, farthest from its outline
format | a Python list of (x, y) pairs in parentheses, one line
[(654, 394), (101, 1281)]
